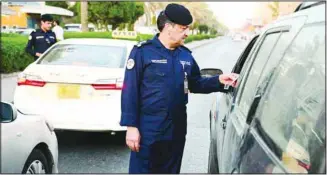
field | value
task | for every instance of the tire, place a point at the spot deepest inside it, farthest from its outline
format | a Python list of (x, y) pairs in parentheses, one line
[(36, 156), (212, 160)]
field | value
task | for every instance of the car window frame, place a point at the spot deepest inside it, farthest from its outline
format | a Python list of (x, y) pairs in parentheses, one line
[(239, 115), (245, 55), (244, 75), (253, 55)]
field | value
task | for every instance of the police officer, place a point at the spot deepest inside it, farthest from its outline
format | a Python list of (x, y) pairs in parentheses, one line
[(41, 39), (159, 74)]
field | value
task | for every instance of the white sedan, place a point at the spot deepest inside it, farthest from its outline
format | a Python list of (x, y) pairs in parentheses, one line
[(77, 84), (28, 143)]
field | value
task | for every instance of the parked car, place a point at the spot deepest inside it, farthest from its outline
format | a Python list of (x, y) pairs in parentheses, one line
[(77, 84), (275, 120), (238, 37), (78, 27), (28, 143), (24, 31)]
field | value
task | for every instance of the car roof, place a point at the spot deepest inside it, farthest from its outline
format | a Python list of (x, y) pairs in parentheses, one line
[(97, 41), (314, 14)]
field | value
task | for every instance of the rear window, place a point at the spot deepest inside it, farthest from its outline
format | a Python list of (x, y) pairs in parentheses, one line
[(86, 55)]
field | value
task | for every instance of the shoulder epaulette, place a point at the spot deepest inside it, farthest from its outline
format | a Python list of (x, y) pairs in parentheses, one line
[(32, 32), (185, 48), (142, 43)]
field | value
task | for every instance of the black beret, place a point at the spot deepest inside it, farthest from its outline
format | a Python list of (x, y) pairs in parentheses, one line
[(178, 14), (46, 17)]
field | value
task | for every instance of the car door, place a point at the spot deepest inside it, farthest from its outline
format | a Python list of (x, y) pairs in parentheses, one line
[(274, 42), (235, 125), (287, 133), (223, 102)]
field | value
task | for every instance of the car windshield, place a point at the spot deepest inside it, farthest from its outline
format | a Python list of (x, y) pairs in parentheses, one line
[(85, 55)]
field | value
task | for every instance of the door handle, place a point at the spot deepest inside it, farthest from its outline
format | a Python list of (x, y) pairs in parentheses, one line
[(223, 123)]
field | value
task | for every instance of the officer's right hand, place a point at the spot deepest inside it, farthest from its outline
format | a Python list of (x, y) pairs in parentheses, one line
[(38, 54), (133, 138), (229, 79)]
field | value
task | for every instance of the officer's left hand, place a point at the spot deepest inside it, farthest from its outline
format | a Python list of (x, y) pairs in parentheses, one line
[(38, 54), (229, 79)]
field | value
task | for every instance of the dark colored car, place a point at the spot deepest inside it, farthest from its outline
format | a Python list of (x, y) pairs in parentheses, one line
[(275, 120)]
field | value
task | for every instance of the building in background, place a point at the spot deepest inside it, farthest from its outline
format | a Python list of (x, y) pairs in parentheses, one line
[(28, 14)]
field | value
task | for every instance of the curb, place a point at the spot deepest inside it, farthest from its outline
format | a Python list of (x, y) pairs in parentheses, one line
[(208, 41), (205, 43)]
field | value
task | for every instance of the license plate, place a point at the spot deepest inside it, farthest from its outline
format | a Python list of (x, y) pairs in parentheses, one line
[(69, 91)]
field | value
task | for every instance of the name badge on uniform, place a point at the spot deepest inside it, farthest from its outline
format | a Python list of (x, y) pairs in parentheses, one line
[(185, 62), (39, 37), (185, 79), (163, 61), (185, 83), (52, 37)]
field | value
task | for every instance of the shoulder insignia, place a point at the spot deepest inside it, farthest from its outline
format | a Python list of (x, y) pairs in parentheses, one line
[(130, 63), (142, 43), (31, 34), (185, 48)]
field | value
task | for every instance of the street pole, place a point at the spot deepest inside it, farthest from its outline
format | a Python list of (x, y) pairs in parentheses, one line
[(84, 18)]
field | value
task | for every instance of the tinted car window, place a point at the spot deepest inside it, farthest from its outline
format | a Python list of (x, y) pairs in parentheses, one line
[(255, 159), (86, 55), (250, 82), (244, 57), (290, 111), (275, 56)]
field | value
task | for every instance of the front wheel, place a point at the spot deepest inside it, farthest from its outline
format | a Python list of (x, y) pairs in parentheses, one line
[(36, 163)]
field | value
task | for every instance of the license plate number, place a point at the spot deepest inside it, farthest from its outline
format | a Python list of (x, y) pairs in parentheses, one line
[(68, 91)]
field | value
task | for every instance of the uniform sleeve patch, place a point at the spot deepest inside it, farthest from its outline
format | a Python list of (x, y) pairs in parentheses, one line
[(130, 63)]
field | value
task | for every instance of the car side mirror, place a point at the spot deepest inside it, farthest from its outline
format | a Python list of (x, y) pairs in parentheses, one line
[(8, 112), (209, 72)]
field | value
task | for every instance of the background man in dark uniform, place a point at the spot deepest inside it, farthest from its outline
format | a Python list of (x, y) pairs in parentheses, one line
[(41, 39), (158, 76)]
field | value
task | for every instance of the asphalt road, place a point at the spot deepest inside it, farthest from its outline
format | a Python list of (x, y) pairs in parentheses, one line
[(102, 153)]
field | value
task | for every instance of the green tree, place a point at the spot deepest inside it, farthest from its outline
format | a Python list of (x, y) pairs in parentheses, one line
[(138, 12), (115, 12), (150, 8), (62, 4), (213, 31), (154, 20), (274, 7), (77, 12), (203, 28), (194, 26)]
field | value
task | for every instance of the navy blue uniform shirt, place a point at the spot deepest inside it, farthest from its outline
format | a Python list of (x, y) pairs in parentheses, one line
[(153, 98), (39, 41)]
